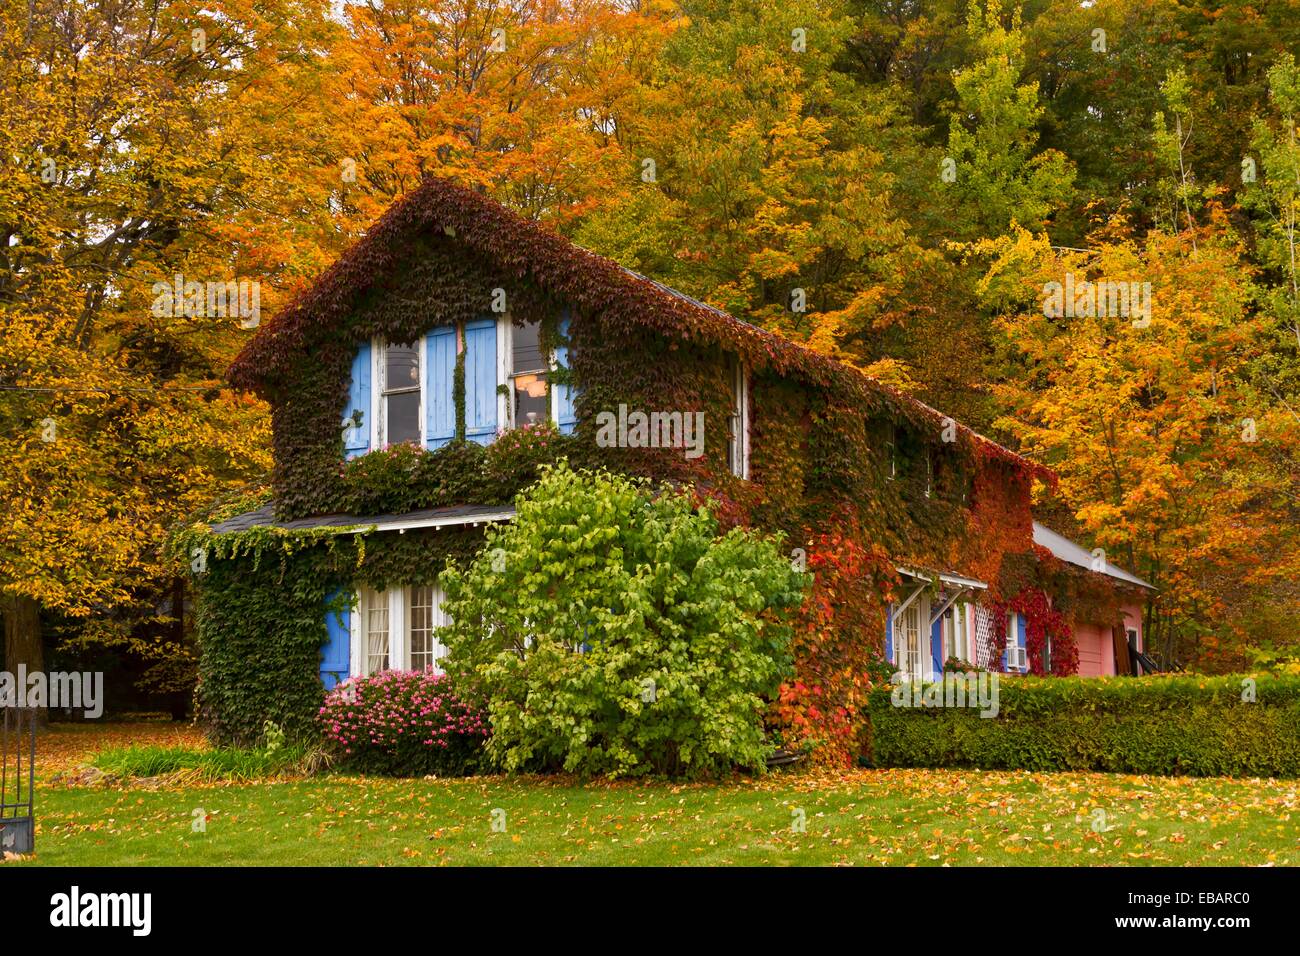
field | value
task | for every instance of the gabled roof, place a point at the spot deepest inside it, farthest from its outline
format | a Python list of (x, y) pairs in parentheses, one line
[(594, 284), (1066, 550)]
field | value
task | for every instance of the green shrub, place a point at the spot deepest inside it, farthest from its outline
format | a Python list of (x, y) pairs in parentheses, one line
[(406, 477), (1196, 726), (610, 630)]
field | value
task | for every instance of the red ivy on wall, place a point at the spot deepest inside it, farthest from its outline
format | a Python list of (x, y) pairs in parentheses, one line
[(838, 649), (1042, 622)]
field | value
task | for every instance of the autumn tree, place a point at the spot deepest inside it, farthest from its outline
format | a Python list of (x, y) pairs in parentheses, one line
[(1139, 395), (146, 146), (523, 99), (999, 177)]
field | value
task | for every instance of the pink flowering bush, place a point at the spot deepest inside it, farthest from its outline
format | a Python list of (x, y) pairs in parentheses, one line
[(514, 458), (403, 723)]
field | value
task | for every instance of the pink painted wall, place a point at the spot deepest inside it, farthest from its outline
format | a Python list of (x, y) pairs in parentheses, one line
[(1096, 650), (1097, 647)]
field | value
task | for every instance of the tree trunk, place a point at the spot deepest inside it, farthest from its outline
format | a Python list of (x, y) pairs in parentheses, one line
[(23, 640)]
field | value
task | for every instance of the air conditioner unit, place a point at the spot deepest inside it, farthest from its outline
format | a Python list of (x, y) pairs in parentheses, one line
[(1015, 657)]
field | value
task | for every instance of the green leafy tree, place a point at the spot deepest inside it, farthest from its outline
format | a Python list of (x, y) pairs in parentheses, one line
[(1001, 175), (611, 630)]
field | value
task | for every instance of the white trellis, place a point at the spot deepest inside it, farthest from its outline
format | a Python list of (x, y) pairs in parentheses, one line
[(985, 641)]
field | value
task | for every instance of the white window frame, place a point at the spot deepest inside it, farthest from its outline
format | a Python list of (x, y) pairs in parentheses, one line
[(379, 381), (399, 638), (956, 634), (1014, 650), (506, 376), (924, 666), (738, 422), (505, 358), (553, 393)]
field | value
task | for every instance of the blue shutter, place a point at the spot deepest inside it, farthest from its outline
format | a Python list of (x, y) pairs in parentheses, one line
[(439, 377), (336, 654), (936, 646), (356, 441), (889, 633), (481, 381), (565, 414), (1020, 636)]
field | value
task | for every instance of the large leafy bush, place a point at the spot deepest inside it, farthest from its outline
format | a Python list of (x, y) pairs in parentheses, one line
[(610, 629), (403, 723)]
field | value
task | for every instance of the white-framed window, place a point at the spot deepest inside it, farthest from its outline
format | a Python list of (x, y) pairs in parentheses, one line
[(530, 402), (1015, 653), (955, 633), (397, 630), (912, 641), (738, 423), (375, 630), (399, 412)]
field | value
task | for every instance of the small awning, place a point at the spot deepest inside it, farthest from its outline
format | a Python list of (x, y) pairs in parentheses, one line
[(452, 516), (956, 588), (956, 580)]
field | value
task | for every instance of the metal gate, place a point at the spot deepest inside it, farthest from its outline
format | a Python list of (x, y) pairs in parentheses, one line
[(17, 779)]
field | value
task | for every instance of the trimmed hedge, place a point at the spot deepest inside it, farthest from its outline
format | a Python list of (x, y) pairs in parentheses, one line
[(1171, 725)]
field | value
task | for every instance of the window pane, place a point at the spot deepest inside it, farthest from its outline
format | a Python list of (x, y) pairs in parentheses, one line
[(377, 633), (531, 402), (420, 615), (403, 418), (526, 348), (402, 367)]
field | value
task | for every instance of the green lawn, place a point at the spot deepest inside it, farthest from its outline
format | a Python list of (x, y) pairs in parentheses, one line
[(894, 817), (881, 817)]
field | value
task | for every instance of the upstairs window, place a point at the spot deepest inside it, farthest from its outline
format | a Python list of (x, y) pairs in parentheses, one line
[(738, 423), (530, 403), (399, 395)]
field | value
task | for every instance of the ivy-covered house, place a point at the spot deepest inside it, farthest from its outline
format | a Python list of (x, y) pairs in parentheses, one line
[(417, 386)]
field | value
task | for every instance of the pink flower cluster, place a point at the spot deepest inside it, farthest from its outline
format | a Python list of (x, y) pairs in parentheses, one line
[(397, 709), (535, 434)]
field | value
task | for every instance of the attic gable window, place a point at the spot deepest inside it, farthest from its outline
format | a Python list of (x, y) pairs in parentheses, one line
[(399, 394), (531, 404)]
